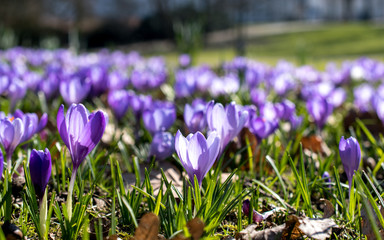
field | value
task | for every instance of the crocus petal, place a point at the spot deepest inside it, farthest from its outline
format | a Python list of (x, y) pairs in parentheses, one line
[(77, 116), (61, 125), (181, 145), (43, 122), (18, 132), (91, 135), (197, 148), (213, 144), (7, 132)]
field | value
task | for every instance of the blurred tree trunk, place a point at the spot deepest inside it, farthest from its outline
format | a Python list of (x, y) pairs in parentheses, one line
[(347, 10)]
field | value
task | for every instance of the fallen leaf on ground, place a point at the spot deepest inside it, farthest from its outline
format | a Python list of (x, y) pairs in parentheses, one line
[(329, 210), (148, 227), (315, 144), (268, 234), (196, 228), (320, 228), (294, 228)]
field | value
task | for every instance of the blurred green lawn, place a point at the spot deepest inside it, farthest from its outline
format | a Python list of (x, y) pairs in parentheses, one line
[(330, 42)]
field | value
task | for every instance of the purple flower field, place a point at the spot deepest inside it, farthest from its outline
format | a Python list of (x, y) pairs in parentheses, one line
[(115, 145)]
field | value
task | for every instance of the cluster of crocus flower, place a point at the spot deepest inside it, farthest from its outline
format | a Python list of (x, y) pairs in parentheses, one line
[(78, 77), (18, 128)]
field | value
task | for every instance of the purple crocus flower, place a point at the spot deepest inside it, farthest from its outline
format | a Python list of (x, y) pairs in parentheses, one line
[(75, 88), (319, 109), (4, 82), (227, 122), (185, 82), (295, 121), (50, 83), (363, 95), (350, 155), (283, 83), (258, 96), (327, 178), (159, 119), (98, 78), (31, 123), (118, 101), (197, 154), (262, 127), (184, 60), (80, 130), (140, 103), (194, 116), (149, 74), (16, 91), (162, 146), (337, 97), (40, 169), (117, 80), (11, 133)]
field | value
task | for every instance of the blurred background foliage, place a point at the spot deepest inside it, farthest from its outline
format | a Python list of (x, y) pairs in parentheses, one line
[(298, 30)]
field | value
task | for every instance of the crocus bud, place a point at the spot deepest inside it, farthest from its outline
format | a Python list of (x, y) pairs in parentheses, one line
[(327, 178), (40, 169), (350, 155)]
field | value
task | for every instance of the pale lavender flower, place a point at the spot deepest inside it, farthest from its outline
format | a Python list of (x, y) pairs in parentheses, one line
[(158, 119), (194, 116), (363, 96), (75, 88), (118, 101), (319, 109), (162, 146), (227, 122), (197, 154)]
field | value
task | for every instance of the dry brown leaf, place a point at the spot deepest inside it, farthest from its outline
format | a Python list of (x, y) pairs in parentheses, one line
[(294, 228), (319, 228), (366, 227), (329, 210), (196, 228), (148, 227), (112, 237), (268, 234), (315, 144), (291, 229), (179, 236)]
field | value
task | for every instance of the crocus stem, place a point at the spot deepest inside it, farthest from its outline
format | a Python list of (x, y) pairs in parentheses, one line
[(43, 215), (70, 191), (9, 163)]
